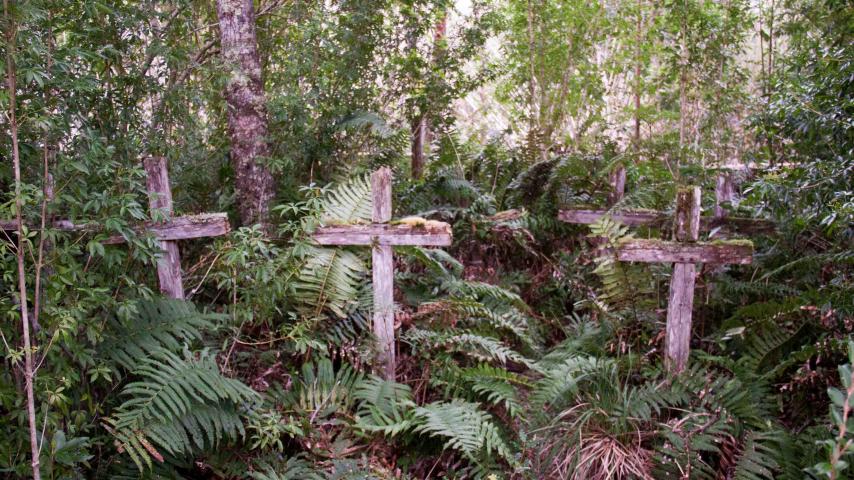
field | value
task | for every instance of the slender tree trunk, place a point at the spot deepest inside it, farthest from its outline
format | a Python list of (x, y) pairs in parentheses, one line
[(421, 124), (638, 84), (420, 127), (247, 110), (29, 373)]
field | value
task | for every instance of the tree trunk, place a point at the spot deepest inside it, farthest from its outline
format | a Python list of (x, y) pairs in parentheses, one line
[(419, 139), (20, 252), (247, 110)]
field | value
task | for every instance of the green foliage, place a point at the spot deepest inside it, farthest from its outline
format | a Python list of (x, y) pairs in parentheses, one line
[(622, 284), (840, 448), (153, 326), (177, 404)]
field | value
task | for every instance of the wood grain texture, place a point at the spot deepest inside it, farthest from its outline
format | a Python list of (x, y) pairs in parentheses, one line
[(724, 193), (182, 228), (680, 303), (160, 204), (384, 234), (631, 218), (617, 179), (383, 276), (663, 251), (686, 222), (381, 195), (680, 307), (383, 325), (651, 218)]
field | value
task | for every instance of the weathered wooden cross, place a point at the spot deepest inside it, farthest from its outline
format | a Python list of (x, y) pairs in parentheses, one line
[(684, 252), (167, 232), (381, 236), (724, 193)]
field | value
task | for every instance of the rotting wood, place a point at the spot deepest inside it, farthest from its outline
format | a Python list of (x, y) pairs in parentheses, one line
[(724, 193), (184, 227), (652, 218), (382, 267), (382, 236), (680, 302), (617, 180), (160, 203), (663, 251), (181, 228)]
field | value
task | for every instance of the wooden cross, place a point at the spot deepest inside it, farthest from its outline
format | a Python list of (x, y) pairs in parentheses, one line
[(684, 252), (724, 193), (381, 236), (167, 232)]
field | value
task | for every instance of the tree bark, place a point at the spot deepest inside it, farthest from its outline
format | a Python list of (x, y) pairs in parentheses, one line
[(29, 368), (420, 128), (247, 110)]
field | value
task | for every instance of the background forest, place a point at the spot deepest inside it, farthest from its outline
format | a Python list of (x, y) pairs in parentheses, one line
[(523, 350)]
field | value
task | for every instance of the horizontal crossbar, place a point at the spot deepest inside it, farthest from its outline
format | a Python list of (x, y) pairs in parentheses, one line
[(635, 218), (437, 234), (183, 228), (178, 228), (662, 251)]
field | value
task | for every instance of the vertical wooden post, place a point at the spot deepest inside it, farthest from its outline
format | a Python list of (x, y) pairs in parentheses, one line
[(686, 228), (383, 276), (617, 179), (724, 192), (160, 199)]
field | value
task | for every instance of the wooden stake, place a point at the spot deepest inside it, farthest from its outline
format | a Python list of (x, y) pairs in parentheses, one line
[(383, 276), (160, 199), (686, 228), (724, 193), (617, 179)]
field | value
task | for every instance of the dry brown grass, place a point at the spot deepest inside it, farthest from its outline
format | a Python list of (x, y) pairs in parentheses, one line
[(595, 456)]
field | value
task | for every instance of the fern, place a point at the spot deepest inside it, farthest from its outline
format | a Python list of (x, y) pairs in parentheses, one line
[(154, 325), (464, 427), (320, 392), (757, 457), (385, 406), (348, 202), (621, 282), (177, 404), (471, 345), (329, 281), (496, 385), (294, 468), (436, 260)]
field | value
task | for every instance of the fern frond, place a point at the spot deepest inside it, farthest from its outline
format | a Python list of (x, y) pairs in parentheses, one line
[(329, 281), (154, 325), (320, 391), (496, 385), (294, 468), (475, 346), (438, 261), (177, 404), (348, 202), (464, 427)]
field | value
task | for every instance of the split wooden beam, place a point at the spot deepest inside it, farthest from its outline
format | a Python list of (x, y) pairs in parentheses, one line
[(381, 236), (167, 231)]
